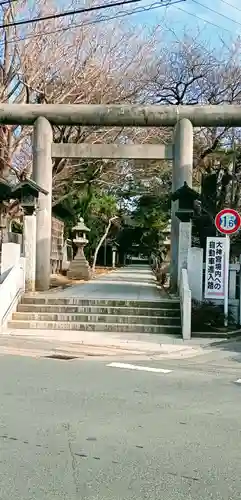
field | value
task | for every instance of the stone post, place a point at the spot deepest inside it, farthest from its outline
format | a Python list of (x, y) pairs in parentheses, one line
[(29, 235), (185, 233), (182, 171), (195, 272), (113, 257), (42, 175)]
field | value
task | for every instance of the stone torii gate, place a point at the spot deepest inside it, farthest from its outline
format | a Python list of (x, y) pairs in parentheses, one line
[(43, 116)]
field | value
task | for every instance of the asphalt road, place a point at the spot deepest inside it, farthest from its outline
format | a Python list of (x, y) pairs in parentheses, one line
[(82, 430)]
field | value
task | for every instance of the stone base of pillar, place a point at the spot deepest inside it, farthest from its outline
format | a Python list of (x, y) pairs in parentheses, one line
[(79, 268)]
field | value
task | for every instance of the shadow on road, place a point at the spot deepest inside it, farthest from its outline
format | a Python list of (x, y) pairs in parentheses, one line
[(233, 347)]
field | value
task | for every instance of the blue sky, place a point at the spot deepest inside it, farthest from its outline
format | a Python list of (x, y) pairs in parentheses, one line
[(210, 17), (214, 19)]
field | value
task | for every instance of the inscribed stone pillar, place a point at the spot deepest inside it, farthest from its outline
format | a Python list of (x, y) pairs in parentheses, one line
[(195, 272), (185, 232)]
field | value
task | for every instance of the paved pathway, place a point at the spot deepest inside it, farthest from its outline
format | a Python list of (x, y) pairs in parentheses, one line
[(135, 282)]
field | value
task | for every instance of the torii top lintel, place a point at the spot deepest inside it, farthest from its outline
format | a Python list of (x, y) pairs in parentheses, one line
[(121, 115)]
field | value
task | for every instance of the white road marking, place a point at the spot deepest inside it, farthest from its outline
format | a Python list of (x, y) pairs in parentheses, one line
[(139, 368), (238, 381)]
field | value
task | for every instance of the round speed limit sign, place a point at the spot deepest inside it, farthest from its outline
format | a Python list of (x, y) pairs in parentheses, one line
[(228, 221)]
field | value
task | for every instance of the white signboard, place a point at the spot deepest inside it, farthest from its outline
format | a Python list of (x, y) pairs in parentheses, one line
[(217, 258)]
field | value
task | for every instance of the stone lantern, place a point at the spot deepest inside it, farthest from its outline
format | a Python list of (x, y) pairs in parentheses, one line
[(186, 198), (79, 268), (27, 193)]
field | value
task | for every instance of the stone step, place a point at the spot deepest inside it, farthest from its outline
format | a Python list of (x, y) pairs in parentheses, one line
[(51, 300), (120, 311), (96, 318), (98, 327)]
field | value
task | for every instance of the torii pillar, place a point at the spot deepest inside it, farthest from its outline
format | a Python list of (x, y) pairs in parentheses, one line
[(181, 172), (42, 175)]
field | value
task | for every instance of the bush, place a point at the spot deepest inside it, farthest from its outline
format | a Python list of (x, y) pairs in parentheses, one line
[(208, 316)]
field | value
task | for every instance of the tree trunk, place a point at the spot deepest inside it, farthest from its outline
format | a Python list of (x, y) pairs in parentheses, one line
[(102, 239)]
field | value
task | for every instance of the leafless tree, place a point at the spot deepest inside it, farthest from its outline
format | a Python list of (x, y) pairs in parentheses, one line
[(79, 61), (67, 61), (189, 71)]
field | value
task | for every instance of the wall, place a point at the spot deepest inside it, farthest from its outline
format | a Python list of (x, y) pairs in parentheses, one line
[(10, 255), (12, 281)]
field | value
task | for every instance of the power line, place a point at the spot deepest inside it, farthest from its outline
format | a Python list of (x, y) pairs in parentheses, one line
[(69, 13), (148, 8), (231, 5), (7, 1), (216, 12), (204, 20), (122, 14)]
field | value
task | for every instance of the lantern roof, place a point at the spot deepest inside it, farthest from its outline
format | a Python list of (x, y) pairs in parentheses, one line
[(81, 226), (27, 188), (185, 194)]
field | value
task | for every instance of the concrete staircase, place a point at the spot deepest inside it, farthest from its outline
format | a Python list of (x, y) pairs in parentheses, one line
[(74, 313)]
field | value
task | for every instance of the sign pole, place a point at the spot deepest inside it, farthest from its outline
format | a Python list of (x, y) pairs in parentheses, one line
[(226, 278)]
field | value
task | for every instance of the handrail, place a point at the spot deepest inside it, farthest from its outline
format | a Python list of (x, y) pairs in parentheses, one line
[(186, 305)]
